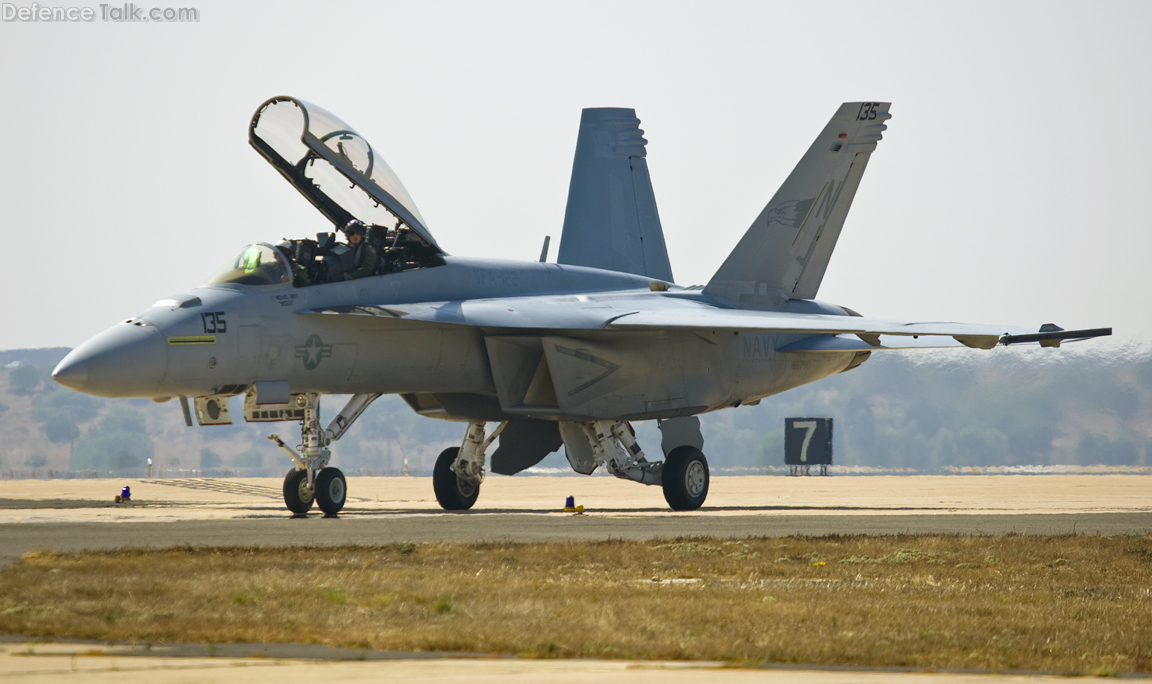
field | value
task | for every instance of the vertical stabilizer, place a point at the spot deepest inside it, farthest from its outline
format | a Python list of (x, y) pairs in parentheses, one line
[(786, 251), (611, 220)]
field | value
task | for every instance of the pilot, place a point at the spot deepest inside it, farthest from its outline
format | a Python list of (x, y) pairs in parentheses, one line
[(300, 276), (364, 263), (299, 271)]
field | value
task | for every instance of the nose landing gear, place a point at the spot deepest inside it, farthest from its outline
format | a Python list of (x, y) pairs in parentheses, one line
[(312, 480)]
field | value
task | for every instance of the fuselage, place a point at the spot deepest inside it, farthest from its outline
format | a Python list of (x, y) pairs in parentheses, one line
[(222, 338)]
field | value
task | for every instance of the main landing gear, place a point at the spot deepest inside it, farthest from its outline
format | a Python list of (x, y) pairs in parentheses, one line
[(683, 476), (460, 470), (312, 480)]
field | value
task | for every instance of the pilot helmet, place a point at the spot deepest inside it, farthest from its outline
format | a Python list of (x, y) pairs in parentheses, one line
[(354, 226)]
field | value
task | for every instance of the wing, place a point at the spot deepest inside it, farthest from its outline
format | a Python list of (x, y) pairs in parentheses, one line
[(655, 311)]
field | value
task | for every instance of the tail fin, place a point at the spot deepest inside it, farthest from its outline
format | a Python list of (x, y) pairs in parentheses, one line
[(611, 221), (786, 251)]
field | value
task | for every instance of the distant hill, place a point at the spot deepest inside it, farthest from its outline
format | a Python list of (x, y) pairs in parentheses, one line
[(34, 357)]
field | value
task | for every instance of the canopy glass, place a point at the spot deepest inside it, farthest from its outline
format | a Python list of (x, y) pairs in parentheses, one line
[(332, 165)]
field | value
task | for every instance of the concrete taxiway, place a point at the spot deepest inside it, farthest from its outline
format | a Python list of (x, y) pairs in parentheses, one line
[(72, 515), (95, 663)]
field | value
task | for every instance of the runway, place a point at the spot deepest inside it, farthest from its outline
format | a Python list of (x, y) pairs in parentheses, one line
[(73, 515), (315, 531)]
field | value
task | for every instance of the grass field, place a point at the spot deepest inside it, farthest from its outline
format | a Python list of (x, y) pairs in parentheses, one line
[(1069, 604)]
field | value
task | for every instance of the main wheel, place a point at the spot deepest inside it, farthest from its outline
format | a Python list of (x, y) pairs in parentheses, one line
[(331, 490), (685, 478), (298, 496), (453, 493)]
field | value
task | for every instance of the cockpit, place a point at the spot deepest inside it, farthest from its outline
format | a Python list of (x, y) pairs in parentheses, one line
[(325, 260), (336, 170), (257, 265)]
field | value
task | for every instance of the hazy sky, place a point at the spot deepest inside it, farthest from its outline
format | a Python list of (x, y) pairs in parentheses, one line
[(1010, 187)]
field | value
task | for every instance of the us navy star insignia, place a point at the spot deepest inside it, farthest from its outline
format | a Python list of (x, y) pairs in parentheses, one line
[(313, 351)]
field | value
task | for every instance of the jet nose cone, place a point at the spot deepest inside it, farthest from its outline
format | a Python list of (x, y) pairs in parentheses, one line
[(72, 373), (123, 361)]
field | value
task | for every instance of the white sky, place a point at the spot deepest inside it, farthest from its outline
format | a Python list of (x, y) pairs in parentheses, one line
[(1009, 187)]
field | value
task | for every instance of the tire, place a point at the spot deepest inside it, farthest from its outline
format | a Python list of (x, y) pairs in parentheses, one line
[(453, 493), (297, 496), (331, 490), (685, 478)]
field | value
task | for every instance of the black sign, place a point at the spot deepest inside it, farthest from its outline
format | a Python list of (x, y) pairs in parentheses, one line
[(807, 441)]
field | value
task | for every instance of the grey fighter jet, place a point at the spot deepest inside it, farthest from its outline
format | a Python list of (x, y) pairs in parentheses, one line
[(565, 353)]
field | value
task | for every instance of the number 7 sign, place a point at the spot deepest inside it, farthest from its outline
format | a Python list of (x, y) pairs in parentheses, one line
[(807, 441)]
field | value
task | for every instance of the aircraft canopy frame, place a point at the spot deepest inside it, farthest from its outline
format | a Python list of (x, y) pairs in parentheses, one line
[(319, 154)]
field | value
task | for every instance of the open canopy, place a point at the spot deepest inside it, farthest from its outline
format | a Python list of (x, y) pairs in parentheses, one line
[(320, 155)]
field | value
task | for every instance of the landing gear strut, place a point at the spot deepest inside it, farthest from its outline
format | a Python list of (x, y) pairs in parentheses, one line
[(312, 479), (683, 475), (614, 444)]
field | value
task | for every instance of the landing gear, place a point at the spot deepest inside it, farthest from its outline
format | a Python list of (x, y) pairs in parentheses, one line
[(313, 479), (685, 478), (611, 443), (683, 474), (331, 490), (460, 470), (453, 492), (298, 493)]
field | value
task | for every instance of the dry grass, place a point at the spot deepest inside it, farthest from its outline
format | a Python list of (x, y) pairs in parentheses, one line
[(1074, 604)]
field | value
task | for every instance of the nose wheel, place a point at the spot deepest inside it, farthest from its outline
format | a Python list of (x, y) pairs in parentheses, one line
[(298, 493), (331, 490)]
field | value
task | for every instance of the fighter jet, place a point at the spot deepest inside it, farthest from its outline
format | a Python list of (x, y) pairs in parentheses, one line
[(567, 353)]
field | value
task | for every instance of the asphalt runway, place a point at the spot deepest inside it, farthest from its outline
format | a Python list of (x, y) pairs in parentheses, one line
[(67, 515), (16, 540)]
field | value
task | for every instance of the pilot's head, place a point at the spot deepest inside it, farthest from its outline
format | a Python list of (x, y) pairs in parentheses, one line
[(354, 229)]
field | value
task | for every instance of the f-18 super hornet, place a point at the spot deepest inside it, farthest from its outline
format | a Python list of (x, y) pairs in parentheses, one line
[(565, 353)]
